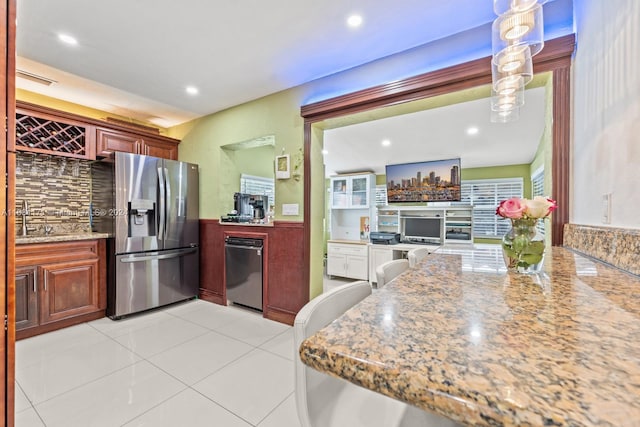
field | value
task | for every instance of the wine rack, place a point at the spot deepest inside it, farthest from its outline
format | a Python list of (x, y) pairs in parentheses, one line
[(44, 135)]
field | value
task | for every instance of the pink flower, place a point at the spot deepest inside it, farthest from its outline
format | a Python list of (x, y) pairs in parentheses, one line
[(511, 208)]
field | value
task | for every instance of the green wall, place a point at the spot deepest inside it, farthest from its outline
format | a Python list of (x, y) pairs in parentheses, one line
[(202, 139), (257, 161)]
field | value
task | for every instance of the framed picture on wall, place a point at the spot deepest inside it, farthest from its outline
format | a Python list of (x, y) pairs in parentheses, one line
[(283, 170)]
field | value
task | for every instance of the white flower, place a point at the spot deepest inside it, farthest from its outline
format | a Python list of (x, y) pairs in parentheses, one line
[(539, 207)]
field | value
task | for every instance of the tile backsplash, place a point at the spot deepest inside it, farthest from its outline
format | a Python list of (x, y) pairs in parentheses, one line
[(57, 190)]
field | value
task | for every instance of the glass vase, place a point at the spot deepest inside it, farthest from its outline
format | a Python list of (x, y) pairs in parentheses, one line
[(523, 247)]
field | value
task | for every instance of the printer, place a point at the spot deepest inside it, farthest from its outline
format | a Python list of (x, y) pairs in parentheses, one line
[(384, 238)]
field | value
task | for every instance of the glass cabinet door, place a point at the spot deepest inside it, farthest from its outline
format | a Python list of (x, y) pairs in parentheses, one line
[(339, 193), (360, 191)]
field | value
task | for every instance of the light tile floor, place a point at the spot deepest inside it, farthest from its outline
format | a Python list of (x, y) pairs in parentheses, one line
[(191, 364)]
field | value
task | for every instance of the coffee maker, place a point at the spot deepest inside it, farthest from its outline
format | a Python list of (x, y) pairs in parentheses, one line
[(250, 207)]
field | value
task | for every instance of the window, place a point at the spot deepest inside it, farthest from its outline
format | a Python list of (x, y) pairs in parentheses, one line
[(259, 186), (381, 195), (537, 189), (485, 195)]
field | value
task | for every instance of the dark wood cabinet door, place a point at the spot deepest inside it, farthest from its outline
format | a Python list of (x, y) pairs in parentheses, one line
[(26, 298), (109, 141), (166, 150), (69, 289)]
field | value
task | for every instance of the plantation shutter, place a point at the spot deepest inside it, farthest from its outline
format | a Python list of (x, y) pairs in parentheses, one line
[(485, 195), (537, 189), (259, 186), (381, 195)]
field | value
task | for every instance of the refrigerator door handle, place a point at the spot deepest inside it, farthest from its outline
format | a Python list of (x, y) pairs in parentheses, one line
[(161, 203), (167, 183), (139, 258)]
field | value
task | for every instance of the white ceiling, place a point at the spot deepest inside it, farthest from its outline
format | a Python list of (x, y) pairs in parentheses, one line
[(135, 57), (438, 133)]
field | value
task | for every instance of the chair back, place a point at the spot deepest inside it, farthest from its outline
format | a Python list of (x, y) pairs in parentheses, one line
[(389, 270), (416, 255), (315, 315)]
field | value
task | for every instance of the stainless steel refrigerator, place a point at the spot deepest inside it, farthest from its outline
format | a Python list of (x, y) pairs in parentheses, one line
[(152, 211)]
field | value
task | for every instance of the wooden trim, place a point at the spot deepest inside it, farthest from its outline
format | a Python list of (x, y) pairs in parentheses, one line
[(207, 295), (555, 57), (561, 152), (279, 315), (288, 224), (58, 324), (466, 75), (7, 227)]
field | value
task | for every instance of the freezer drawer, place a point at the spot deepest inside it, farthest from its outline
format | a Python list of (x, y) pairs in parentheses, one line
[(243, 271), (152, 279)]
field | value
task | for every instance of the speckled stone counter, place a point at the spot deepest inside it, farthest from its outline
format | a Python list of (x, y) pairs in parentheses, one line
[(65, 237), (460, 336)]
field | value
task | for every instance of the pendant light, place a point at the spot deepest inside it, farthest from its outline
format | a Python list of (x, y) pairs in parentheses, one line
[(517, 35), (515, 28)]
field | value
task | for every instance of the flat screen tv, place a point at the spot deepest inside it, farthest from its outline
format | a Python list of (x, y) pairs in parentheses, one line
[(428, 181), (422, 229)]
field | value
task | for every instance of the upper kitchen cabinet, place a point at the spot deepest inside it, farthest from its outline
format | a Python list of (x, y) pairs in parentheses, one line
[(352, 191), (47, 131), (42, 132), (167, 149), (110, 140)]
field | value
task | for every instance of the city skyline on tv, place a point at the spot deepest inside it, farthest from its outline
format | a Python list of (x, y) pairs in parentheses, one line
[(434, 180)]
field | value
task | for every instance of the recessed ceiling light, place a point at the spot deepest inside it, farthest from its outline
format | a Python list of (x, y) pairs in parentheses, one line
[(472, 130), (354, 21), (386, 143), (66, 38), (325, 152), (192, 90)]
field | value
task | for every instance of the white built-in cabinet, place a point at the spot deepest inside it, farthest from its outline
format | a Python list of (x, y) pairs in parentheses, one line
[(352, 206), (351, 214), (353, 191), (455, 222), (348, 260)]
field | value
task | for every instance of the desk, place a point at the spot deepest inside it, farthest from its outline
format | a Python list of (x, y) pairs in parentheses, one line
[(486, 347)]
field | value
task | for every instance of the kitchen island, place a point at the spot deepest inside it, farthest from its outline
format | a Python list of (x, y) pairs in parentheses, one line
[(460, 336)]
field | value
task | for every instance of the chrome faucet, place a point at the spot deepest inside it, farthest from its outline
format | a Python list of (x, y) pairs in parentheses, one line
[(25, 213)]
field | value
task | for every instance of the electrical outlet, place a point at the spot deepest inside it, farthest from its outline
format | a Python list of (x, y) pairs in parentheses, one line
[(606, 208)]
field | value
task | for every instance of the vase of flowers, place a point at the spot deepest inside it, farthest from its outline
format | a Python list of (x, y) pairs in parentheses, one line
[(523, 246)]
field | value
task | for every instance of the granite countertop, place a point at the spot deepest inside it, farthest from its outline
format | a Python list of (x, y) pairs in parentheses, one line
[(460, 336), (247, 224), (60, 237)]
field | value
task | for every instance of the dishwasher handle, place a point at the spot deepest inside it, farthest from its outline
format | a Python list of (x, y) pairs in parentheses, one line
[(243, 242), (243, 247)]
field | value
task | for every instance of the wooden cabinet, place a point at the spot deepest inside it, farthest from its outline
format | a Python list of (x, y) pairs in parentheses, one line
[(42, 132), (348, 260), (26, 298), (58, 285), (47, 131), (157, 148), (109, 141), (70, 289)]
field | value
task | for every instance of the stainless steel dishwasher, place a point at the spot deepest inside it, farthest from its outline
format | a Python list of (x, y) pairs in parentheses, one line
[(243, 268)]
